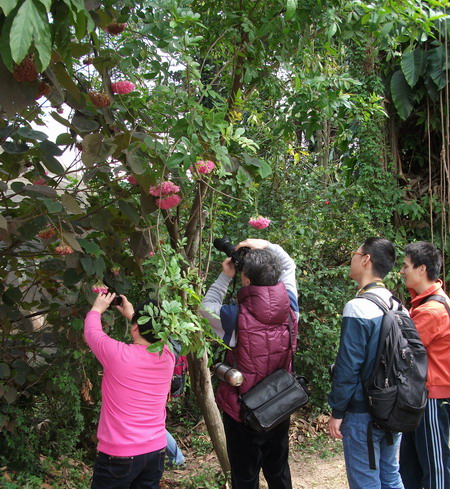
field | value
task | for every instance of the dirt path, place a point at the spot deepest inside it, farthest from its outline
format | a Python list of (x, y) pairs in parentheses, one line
[(310, 471)]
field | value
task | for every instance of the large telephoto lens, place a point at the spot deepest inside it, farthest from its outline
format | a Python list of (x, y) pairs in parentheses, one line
[(224, 245)]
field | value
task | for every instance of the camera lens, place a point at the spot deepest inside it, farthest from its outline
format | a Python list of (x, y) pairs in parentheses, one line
[(224, 245)]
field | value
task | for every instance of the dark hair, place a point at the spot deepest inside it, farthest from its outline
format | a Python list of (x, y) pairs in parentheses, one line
[(382, 255), (424, 253), (262, 267), (146, 329)]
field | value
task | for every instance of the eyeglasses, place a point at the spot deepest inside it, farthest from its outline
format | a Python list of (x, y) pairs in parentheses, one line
[(353, 253)]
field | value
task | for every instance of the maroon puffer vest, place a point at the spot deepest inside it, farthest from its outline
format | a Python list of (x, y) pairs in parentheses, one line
[(262, 341)]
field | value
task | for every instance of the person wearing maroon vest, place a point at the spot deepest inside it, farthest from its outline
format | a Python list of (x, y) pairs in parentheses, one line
[(257, 330)]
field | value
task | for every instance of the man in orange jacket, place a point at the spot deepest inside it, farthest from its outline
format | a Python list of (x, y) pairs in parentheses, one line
[(425, 453)]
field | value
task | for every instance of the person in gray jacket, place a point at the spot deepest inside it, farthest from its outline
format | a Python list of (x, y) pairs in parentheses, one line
[(261, 329)]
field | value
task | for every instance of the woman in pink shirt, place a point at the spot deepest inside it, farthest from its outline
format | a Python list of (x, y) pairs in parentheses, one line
[(131, 431)]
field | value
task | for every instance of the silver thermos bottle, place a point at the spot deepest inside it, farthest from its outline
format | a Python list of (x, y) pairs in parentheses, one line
[(228, 374)]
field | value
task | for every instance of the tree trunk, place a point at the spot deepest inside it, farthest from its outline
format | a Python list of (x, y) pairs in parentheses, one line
[(201, 384)]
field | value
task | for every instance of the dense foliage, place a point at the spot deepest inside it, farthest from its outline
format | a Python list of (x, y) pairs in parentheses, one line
[(179, 122)]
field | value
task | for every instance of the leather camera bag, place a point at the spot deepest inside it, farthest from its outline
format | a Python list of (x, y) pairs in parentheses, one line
[(275, 398)]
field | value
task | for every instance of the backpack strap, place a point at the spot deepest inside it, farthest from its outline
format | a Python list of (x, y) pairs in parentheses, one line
[(437, 298)]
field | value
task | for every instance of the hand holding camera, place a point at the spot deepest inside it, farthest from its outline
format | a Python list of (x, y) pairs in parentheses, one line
[(102, 302)]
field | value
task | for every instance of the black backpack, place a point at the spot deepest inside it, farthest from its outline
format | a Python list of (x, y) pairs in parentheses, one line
[(396, 389)]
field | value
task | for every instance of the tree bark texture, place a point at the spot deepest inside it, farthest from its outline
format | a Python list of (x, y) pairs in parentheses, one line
[(202, 386)]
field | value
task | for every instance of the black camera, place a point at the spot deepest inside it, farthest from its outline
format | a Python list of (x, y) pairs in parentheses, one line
[(236, 255), (117, 301)]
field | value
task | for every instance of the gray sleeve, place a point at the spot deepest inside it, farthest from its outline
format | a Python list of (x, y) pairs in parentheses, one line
[(288, 264), (212, 303)]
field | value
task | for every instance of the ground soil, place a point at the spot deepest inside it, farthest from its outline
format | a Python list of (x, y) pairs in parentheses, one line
[(316, 461), (311, 471), (308, 471)]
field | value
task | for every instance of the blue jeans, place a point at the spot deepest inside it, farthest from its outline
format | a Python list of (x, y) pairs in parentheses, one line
[(424, 453), (174, 454), (360, 476), (138, 472)]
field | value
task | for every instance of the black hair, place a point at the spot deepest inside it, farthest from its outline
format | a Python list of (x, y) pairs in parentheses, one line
[(382, 255), (424, 253), (146, 329), (262, 267)]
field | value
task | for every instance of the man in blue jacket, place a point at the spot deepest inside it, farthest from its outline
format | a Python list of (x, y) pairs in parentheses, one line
[(361, 322)]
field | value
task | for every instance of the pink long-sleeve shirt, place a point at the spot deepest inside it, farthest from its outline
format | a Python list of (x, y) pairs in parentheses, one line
[(135, 387)]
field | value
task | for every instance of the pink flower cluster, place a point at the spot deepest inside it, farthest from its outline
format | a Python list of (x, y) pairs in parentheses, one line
[(205, 167), (99, 288), (167, 193), (122, 87), (168, 202), (163, 189), (260, 222), (131, 179), (40, 181), (64, 250)]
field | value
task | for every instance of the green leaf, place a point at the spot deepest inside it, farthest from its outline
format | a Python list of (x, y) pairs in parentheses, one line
[(18, 187), (291, 7), (53, 207), (137, 160), (52, 164), (67, 82), (436, 60), (402, 95), (22, 30), (64, 139), (175, 160), (28, 133), (77, 324), (42, 37), (413, 64), (5, 371), (71, 204), (47, 4), (99, 266), (60, 119), (96, 149), (71, 277), (89, 246), (3, 222), (71, 240), (10, 394), (130, 211), (8, 6), (88, 265)]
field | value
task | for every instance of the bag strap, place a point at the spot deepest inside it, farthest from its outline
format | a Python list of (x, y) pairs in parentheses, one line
[(437, 298), (291, 344)]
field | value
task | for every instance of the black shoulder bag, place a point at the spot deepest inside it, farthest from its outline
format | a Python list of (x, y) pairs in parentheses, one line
[(275, 398)]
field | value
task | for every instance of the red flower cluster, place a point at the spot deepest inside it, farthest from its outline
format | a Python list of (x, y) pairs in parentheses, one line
[(99, 99), (25, 71), (46, 233), (115, 28)]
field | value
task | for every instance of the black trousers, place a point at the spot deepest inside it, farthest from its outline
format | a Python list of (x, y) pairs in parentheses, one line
[(249, 452)]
